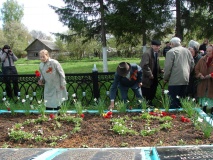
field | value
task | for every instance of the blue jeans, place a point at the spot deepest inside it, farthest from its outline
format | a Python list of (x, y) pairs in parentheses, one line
[(175, 91), (124, 92)]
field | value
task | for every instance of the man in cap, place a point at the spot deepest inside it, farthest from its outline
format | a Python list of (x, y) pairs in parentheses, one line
[(127, 76), (151, 68), (178, 65)]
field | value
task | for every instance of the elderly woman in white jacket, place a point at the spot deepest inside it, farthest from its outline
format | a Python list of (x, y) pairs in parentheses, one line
[(53, 79)]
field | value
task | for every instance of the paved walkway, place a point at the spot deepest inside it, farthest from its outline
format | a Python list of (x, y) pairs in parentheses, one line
[(144, 153)]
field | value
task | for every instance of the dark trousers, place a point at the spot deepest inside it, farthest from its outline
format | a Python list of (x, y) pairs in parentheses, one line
[(149, 93), (8, 79), (175, 91), (124, 92)]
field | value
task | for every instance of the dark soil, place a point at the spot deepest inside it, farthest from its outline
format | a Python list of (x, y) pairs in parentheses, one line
[(96, 133)]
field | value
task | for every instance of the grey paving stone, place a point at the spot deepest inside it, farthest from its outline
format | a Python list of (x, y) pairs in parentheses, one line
[(77, 154), (100, 154), (186, 153), (20, 154), (118, 154)]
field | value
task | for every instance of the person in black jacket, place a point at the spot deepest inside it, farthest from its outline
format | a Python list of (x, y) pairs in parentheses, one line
[(203, 46), (166, 49), (127, 76), (8, 68)]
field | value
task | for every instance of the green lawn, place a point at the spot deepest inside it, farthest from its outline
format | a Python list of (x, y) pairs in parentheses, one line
[(77, 66)]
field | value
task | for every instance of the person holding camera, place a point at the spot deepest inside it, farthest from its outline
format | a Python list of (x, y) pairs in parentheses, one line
[(8, 68)]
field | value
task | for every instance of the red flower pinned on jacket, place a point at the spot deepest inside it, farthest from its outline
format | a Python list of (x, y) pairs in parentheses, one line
[(82, 115), (49, 70), (37, 73), (8, 109), (212, 75), (134, 75)]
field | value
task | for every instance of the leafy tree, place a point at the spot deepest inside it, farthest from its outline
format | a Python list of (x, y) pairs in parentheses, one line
[(11, 11), (194, 19), (2, 39), (17, 36), (139, 20), (86, 18)]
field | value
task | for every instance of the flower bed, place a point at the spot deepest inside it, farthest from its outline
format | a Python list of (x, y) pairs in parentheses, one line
[(108, 130)]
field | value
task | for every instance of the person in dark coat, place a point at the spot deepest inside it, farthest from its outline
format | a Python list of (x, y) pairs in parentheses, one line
[(127, 76), (151, 69), (166, 49), (8, 68), (203, 47)]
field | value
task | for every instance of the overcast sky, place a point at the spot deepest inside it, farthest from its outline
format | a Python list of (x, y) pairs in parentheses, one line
[(39, 16)]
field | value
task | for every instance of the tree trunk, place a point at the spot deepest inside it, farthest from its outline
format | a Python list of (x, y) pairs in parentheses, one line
[(103, 39), (178, 32)]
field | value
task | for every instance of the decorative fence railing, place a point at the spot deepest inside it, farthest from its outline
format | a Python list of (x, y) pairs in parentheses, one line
[(86, 87)]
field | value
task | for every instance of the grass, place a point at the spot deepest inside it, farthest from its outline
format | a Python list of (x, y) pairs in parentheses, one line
[(77, 66)]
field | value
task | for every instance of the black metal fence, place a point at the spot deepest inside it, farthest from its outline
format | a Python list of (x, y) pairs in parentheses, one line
[(86, 87)]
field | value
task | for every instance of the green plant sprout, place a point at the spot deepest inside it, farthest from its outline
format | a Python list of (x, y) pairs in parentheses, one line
[(99, 105), (121, 106), (166, 100), (64, 107), (41, 108), (144, 103)]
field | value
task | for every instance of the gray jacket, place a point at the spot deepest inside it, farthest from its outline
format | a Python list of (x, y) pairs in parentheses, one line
[(5, 59), (178, 65)]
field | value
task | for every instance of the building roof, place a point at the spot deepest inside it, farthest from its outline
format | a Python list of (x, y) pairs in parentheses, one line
[(51, 45)]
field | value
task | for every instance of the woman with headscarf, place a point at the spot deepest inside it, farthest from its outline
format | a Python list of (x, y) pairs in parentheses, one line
[(193, 47), (204, 71)]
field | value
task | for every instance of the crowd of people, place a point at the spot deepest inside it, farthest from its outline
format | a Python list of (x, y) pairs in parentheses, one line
[(188, 71)]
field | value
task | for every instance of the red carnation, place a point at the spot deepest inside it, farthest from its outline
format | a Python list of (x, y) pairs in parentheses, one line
[(173, 116), (164, 114), (52, 116), (212, 75), (8, 109), (37, 73), (106, 116), (187, 120), (82, 115), (109, 113)]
